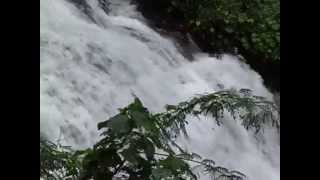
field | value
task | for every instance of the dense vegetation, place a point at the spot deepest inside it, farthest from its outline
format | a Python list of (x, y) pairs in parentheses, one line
[(139, 145), (250, 28)]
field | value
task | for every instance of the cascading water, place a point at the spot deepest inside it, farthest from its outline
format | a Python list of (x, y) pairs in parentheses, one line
[(91, 63)]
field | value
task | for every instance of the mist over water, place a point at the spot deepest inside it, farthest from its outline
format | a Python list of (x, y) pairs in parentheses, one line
[(91, 63)]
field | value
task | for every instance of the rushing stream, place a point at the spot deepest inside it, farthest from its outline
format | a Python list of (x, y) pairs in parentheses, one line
[(92, 62)]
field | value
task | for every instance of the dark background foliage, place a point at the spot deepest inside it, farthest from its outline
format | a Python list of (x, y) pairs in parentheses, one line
[(250, 28)]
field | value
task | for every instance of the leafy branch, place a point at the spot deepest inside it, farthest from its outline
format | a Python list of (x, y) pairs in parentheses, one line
[(208, 166), (57, 161), (253, 111), (137, 144)]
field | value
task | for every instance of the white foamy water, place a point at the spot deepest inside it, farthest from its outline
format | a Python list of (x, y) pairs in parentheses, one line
[(91, 65)]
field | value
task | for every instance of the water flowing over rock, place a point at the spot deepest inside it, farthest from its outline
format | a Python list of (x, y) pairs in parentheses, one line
[(92, 62)]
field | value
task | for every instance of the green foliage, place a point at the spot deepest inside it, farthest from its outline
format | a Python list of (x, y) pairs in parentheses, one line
[(139, 145), (253, 111), (227, 26), (127, 149), (58, 162)]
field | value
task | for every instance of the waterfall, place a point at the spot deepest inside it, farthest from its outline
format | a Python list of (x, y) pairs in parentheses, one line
[(92, 62)]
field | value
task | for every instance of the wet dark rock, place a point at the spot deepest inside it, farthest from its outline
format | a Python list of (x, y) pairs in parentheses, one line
[(84, 7), (105, 5)]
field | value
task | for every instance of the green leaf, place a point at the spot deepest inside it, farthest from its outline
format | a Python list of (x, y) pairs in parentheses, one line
[(160, 173), (142, 120), (173, 163), (130, 155), (118, 124), (137, 105), (149, 150)]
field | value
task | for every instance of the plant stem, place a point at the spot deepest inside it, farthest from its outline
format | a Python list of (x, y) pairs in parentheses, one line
[(191, 160)]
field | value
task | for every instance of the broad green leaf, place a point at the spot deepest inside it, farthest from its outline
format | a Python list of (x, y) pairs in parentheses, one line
[(118, 124), (142, 119)]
